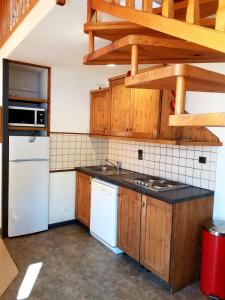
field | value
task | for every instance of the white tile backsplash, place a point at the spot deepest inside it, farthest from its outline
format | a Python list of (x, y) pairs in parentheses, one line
[(68, 151), (169, 161), (174, 162)]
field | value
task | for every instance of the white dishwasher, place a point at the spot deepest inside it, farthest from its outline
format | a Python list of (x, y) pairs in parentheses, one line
[(103, 224)]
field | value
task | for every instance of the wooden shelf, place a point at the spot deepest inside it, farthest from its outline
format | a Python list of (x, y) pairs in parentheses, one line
[(152, 50), (27, 99), (168, 142), (18, 128), (209, 119), (196, 79)]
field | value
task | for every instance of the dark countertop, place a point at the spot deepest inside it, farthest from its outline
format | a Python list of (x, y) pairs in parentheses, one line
[(171, 197)]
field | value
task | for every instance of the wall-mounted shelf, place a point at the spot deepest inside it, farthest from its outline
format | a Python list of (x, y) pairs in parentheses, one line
[(27, 99), (20, 128)]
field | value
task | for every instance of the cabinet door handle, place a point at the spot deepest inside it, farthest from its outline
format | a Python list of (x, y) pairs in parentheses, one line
[(143, 204)]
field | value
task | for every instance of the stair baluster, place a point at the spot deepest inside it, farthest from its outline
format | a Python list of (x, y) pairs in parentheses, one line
[(147, 5), (134, 59), (193, 14), (168, 8), (180, 95), (130, 3), (220, 16)]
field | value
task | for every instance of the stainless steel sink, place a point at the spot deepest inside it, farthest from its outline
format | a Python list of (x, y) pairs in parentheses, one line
[(103, 168), (109, 170)]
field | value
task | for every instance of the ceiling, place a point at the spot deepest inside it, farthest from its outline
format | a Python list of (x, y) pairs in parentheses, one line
[(58, 40)]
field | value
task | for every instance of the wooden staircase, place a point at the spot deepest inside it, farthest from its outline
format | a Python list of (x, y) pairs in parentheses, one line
[(177, 32)]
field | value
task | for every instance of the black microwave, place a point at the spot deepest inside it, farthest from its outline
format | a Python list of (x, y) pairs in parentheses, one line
[(27, 116)]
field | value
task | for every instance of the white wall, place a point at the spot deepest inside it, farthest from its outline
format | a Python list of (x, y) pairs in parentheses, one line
[(70, 100), (212, 102)]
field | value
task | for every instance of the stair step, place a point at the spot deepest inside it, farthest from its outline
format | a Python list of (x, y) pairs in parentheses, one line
[(165, 78), (193, 120), (152, 50)]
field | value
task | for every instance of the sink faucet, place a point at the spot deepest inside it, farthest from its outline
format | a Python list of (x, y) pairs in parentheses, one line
[(118, 165)]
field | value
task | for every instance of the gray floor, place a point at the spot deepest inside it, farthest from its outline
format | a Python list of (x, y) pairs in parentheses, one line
[(76, 266)]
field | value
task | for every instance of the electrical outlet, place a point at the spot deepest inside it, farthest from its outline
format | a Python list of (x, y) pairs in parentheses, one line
[(140, 154), (202, 159)]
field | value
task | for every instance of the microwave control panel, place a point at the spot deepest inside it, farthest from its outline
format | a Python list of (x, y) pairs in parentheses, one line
[(40, 117)]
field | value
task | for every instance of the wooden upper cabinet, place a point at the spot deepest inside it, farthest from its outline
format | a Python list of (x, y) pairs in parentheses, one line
[(134, 112), (99, 112), (145, 113), (83, 198), (120, 108), (129, 222), (156, 231)]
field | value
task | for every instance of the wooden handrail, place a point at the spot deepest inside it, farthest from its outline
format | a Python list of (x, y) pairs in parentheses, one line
[(12, 13)]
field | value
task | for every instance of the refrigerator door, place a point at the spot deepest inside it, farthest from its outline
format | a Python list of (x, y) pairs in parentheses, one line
[(28, 197), (28, 147)]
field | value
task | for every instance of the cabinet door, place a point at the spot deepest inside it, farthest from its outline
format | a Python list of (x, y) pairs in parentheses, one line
[(145, 113), (120, 106), (99, 112), (129, 222), (156, 228), (83, 196)]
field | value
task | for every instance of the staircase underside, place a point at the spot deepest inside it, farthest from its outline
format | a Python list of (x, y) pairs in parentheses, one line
[(177, 28), (152, 50), (113, 31)]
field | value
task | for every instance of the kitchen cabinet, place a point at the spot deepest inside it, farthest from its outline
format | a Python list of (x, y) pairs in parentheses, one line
[(120, 108), (156, 227), (83, 198), (99, 112), (134, 112), (141, 114), (129, 222), (168, 235)]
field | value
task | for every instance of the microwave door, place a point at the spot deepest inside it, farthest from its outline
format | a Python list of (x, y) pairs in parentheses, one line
[(21, 117)]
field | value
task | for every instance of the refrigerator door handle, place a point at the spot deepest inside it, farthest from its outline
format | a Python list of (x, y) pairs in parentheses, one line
[(26, 160)]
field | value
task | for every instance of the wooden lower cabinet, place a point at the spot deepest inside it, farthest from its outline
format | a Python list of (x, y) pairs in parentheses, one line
[(83, 198), (129, 222), (156, 229), (165, 238)]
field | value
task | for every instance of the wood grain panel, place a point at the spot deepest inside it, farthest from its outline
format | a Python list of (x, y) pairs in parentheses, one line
[(146, 112), (120, 106), (129, 222), (83, 198), (156, 228), (99, 112), (189, 218)]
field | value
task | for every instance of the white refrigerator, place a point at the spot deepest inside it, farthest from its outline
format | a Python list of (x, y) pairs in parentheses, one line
[(28, 185)]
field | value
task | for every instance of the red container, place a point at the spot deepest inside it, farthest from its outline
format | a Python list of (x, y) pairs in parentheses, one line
[(212, 279)]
